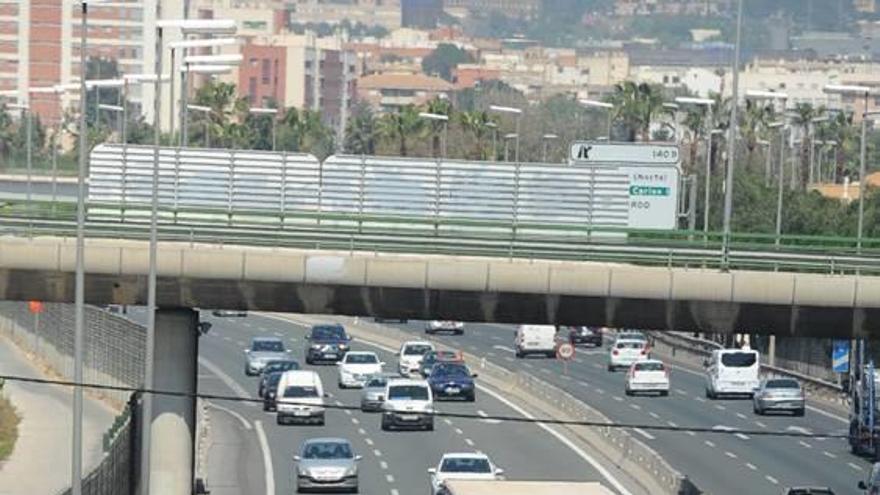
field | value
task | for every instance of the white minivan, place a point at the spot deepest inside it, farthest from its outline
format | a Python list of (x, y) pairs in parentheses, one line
[(732, 372), (535, 339), (408, 404), (300, 397)]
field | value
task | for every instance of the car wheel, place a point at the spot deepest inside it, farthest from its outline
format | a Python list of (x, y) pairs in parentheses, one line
[(628, 392), (800, 412), (279, 420), (430, 426), (385, 424), (519, 354), (664, 393), (472, 397), (611, 368)]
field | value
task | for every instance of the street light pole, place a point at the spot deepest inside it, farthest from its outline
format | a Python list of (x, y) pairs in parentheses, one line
[(547, 138), (609, 112), (863, 158), (517, 112), (439, 117), (731, 140)]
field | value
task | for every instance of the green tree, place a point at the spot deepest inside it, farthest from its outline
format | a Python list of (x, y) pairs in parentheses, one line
[(477, 123), (635, 105), (802, 117), (444, 59), (438, 106), (362, 131), (304, 131), (401, 126), (753, 125), (225, 117)]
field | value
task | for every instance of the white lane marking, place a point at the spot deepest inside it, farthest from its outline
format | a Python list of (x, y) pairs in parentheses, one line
[(799, 429), (827, 414), (804, 444), (227, 339), (491, 354), (771, 479), (699, 399), (458, 431), (762, 425), (355, 420), (349, 413), (730, 454), (564, 440), (720, 407), (244, 423), (741, 436), (741, 416), (227, 380), (368, 441), (600, 391), (267, 458), (653, 415), (383, 465), (483, 414), (239, 343), (710, 443), (277, 334), (644, 433), (447, 421), (362, 431), (690, 433), (389, 478), (829, 454), (680, 391), (751, 466), (636, 407), (670, 423), (854, 466), (565, 377), (469, 442), (394, 491), (377, 452), (508, 358), (496, 338), (503, 348), (618, 398), (528, 365)]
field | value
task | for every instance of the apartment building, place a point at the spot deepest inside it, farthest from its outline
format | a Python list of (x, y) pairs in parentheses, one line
[(385, 13), (628, 8), (40, 46), (299, 71), (523, 9), (388, 92)]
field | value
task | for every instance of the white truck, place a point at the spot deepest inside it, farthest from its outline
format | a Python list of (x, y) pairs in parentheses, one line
[(499, 487)]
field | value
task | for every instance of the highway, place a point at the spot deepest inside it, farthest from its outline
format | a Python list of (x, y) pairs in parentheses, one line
[(394, 463), (722, 464)]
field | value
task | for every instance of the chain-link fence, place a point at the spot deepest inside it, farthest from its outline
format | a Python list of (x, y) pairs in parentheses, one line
[(113, 345)]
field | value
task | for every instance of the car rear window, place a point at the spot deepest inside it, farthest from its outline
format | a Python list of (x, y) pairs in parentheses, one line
[(327, 450), (408, 392), (416, 350), (377, 382), (465, 465), (783, 384), (650, 367), (328, 333), (450, 370), (267, 346), (739, 359), (281, 366), (299, 392), (361, 359), (630, 345)]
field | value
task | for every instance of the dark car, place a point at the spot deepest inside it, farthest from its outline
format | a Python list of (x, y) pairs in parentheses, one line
[(270, 395), (327, 343), (809, 490), (585, 336), (274, 366), (434, 357), (452, 381)]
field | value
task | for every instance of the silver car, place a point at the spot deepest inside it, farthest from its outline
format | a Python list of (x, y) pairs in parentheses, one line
[(261, 352), (779, 394), (326, 464), (373, 393)]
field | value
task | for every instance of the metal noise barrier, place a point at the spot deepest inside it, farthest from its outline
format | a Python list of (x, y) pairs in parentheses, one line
[(235, 180)]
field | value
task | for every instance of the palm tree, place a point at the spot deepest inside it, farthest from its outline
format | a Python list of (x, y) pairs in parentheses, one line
[(401, 126), (842, 130), (753, 125), (802, 118), (439, 106), (303, 131), (477, 123), (695, 125), (226, 113), (360, 136), (636, 105)]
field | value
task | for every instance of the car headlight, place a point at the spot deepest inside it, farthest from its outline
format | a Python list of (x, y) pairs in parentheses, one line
[(304, 472), (315, 347), (351, 471)]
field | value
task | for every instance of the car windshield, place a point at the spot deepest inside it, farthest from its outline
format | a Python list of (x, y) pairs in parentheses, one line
[(300, 391), (650, 367), (379, 381), (361, 359), (408, 392), (632, 335), (783, 384), (465, 465), (452, 370), (328, 333), (739, 359), (267, 346), (416, 350), (281, 366), (327, 450)]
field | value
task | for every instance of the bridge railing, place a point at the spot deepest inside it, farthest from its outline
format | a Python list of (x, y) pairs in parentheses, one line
[(454, 236)]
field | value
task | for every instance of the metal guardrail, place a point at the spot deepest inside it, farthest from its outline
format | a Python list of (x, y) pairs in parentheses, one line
[(399, 234), (703, 348)]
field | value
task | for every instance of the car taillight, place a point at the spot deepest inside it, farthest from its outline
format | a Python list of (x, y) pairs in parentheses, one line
[(614, 352), (644, 351)]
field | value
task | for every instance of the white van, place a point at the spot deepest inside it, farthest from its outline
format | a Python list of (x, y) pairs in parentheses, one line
[(732, 372), (408, 404), (300, 397), (535, 339)]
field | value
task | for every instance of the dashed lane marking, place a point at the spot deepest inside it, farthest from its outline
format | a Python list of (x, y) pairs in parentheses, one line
[(699, 399), (644, 433), (742, 436), (672, 424), (469, 442), (458, 431), (829, 454), (760, 424), (618, 398), (483, 414), (636, 407), (771, 479), (383, 465), (680, 391), (362, 431), (730, 454), (377, 452), (447, 421), (741, 416), (355, 421), (854, 466), (394, 491), (503, 348), (508, 358), (804, 444), (710, 443), (720, 407), (600, 391), (368, 441), (751, 466), (653, 415), (389, 478)]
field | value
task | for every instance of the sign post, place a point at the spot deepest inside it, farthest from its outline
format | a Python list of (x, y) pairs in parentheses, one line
[(565, 352), (840, 349), (36, 307)]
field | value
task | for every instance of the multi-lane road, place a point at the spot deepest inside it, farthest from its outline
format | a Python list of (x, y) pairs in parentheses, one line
[(393, 463), (396, 462)]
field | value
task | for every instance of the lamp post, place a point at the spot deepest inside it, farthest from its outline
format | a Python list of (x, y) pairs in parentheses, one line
[(865, 92), (758, 95), (707, 180), (673, 108), (438, 117), (812, 131), (732, 128), (194, 69), (517, 112), (207, 112), (494, 127), (55, 90), (186, 26), (27, 119), (609, 110), (546, 138), (269, 112), (781, 176), (507, 139)]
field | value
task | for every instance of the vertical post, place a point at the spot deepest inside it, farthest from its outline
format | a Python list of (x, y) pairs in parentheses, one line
[(516, 149), (812, 153), (863, 156), (707, 194), (207, 131), (184, 102), (343, 110), (544, 152), (769, 162), (608, 124), (123, 186), (79, 290), (149, 354), (445, 138), (771, 351), (274, 118), (495, 144), (692, 204), (30, 146), (781, 181), (171, 99), (55, 164), (731, 140)]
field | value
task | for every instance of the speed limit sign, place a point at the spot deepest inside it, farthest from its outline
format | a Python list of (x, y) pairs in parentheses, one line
[(565, 351)]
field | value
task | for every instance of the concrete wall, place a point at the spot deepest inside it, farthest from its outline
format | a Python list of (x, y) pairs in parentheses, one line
[(446, 287)]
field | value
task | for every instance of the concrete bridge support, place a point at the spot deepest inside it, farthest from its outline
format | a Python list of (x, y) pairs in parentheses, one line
[(173, 426)]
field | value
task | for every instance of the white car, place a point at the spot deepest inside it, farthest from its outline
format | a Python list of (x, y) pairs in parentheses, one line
[(300, 397), (648, 376), (408, 404), (356, 367), (625, 352), (409, 358), (462, 466), (434, 326)]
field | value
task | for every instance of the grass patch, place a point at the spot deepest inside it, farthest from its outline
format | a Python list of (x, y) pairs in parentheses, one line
[(8, 428)]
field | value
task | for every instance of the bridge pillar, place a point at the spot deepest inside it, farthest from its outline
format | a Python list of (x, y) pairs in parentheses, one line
[(173, 427)]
